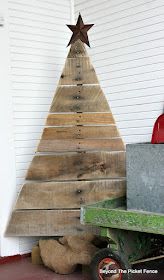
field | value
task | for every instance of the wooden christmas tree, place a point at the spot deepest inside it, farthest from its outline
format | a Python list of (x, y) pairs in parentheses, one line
[(80, 158)]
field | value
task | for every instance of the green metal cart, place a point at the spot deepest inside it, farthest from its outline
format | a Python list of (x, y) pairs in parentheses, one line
[(133, 237)]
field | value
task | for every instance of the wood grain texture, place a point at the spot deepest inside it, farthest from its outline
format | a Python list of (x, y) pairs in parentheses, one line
[(80, 119), (80, 132), (87, 163), (77, 166), (60, 195), (77, 50), (45, 223), (78, 70), (82, 98), (71, 145)]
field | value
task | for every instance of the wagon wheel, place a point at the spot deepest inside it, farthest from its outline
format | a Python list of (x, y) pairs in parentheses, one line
[(106, 265)]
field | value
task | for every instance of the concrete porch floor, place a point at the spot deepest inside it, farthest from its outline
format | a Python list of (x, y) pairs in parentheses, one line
[(25, 270)]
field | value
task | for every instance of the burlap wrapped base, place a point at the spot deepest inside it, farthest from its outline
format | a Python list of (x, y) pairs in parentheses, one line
[(63, 255)]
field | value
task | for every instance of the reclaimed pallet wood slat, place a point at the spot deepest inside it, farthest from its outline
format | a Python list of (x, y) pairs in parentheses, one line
[(80, 157), (79, 119), (75, 145), (45, 223), (58, 195), (82, 98), (77, 50), (77, 166), (80, 132), (78, 70)]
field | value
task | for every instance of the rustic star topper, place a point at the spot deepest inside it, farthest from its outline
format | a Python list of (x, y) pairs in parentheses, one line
[(79, 31)]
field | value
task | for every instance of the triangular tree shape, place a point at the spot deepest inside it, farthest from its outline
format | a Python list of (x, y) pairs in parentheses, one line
[(80, 157)]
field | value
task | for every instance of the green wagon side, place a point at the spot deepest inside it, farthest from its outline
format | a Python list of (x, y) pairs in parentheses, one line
[(113, 214), (132, 235)]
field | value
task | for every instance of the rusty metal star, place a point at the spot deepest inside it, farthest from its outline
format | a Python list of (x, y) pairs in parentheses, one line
[(79, 31)]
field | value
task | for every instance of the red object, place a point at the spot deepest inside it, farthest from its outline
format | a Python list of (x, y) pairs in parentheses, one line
[(13, 258), (158, 131)]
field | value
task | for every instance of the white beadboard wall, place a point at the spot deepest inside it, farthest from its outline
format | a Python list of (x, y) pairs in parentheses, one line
[(127, 50), (38, 39)]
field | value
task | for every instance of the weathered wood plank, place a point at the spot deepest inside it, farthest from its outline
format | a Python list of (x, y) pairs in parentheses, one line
[(77, 50), (77, 166), (78, 70), (60, 195), (83, 98), (80, 132), (45, 223), (75, 145), (79, 119)]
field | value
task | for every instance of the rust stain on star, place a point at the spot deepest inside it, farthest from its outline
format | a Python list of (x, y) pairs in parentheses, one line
[(79, 31)]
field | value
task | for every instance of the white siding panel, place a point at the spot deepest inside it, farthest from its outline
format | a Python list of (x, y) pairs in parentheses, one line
[(127, 50), (31, 115), (17, 20), (38, 39), (24, 151)]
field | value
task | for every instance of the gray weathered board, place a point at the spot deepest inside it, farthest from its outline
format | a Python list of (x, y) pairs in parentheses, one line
[(80, 132), (46, 223), (80, 158), (77, 166), (82, 98), (61, 119), (74, 145), (78, 70), (70, 194), (78, 50)]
